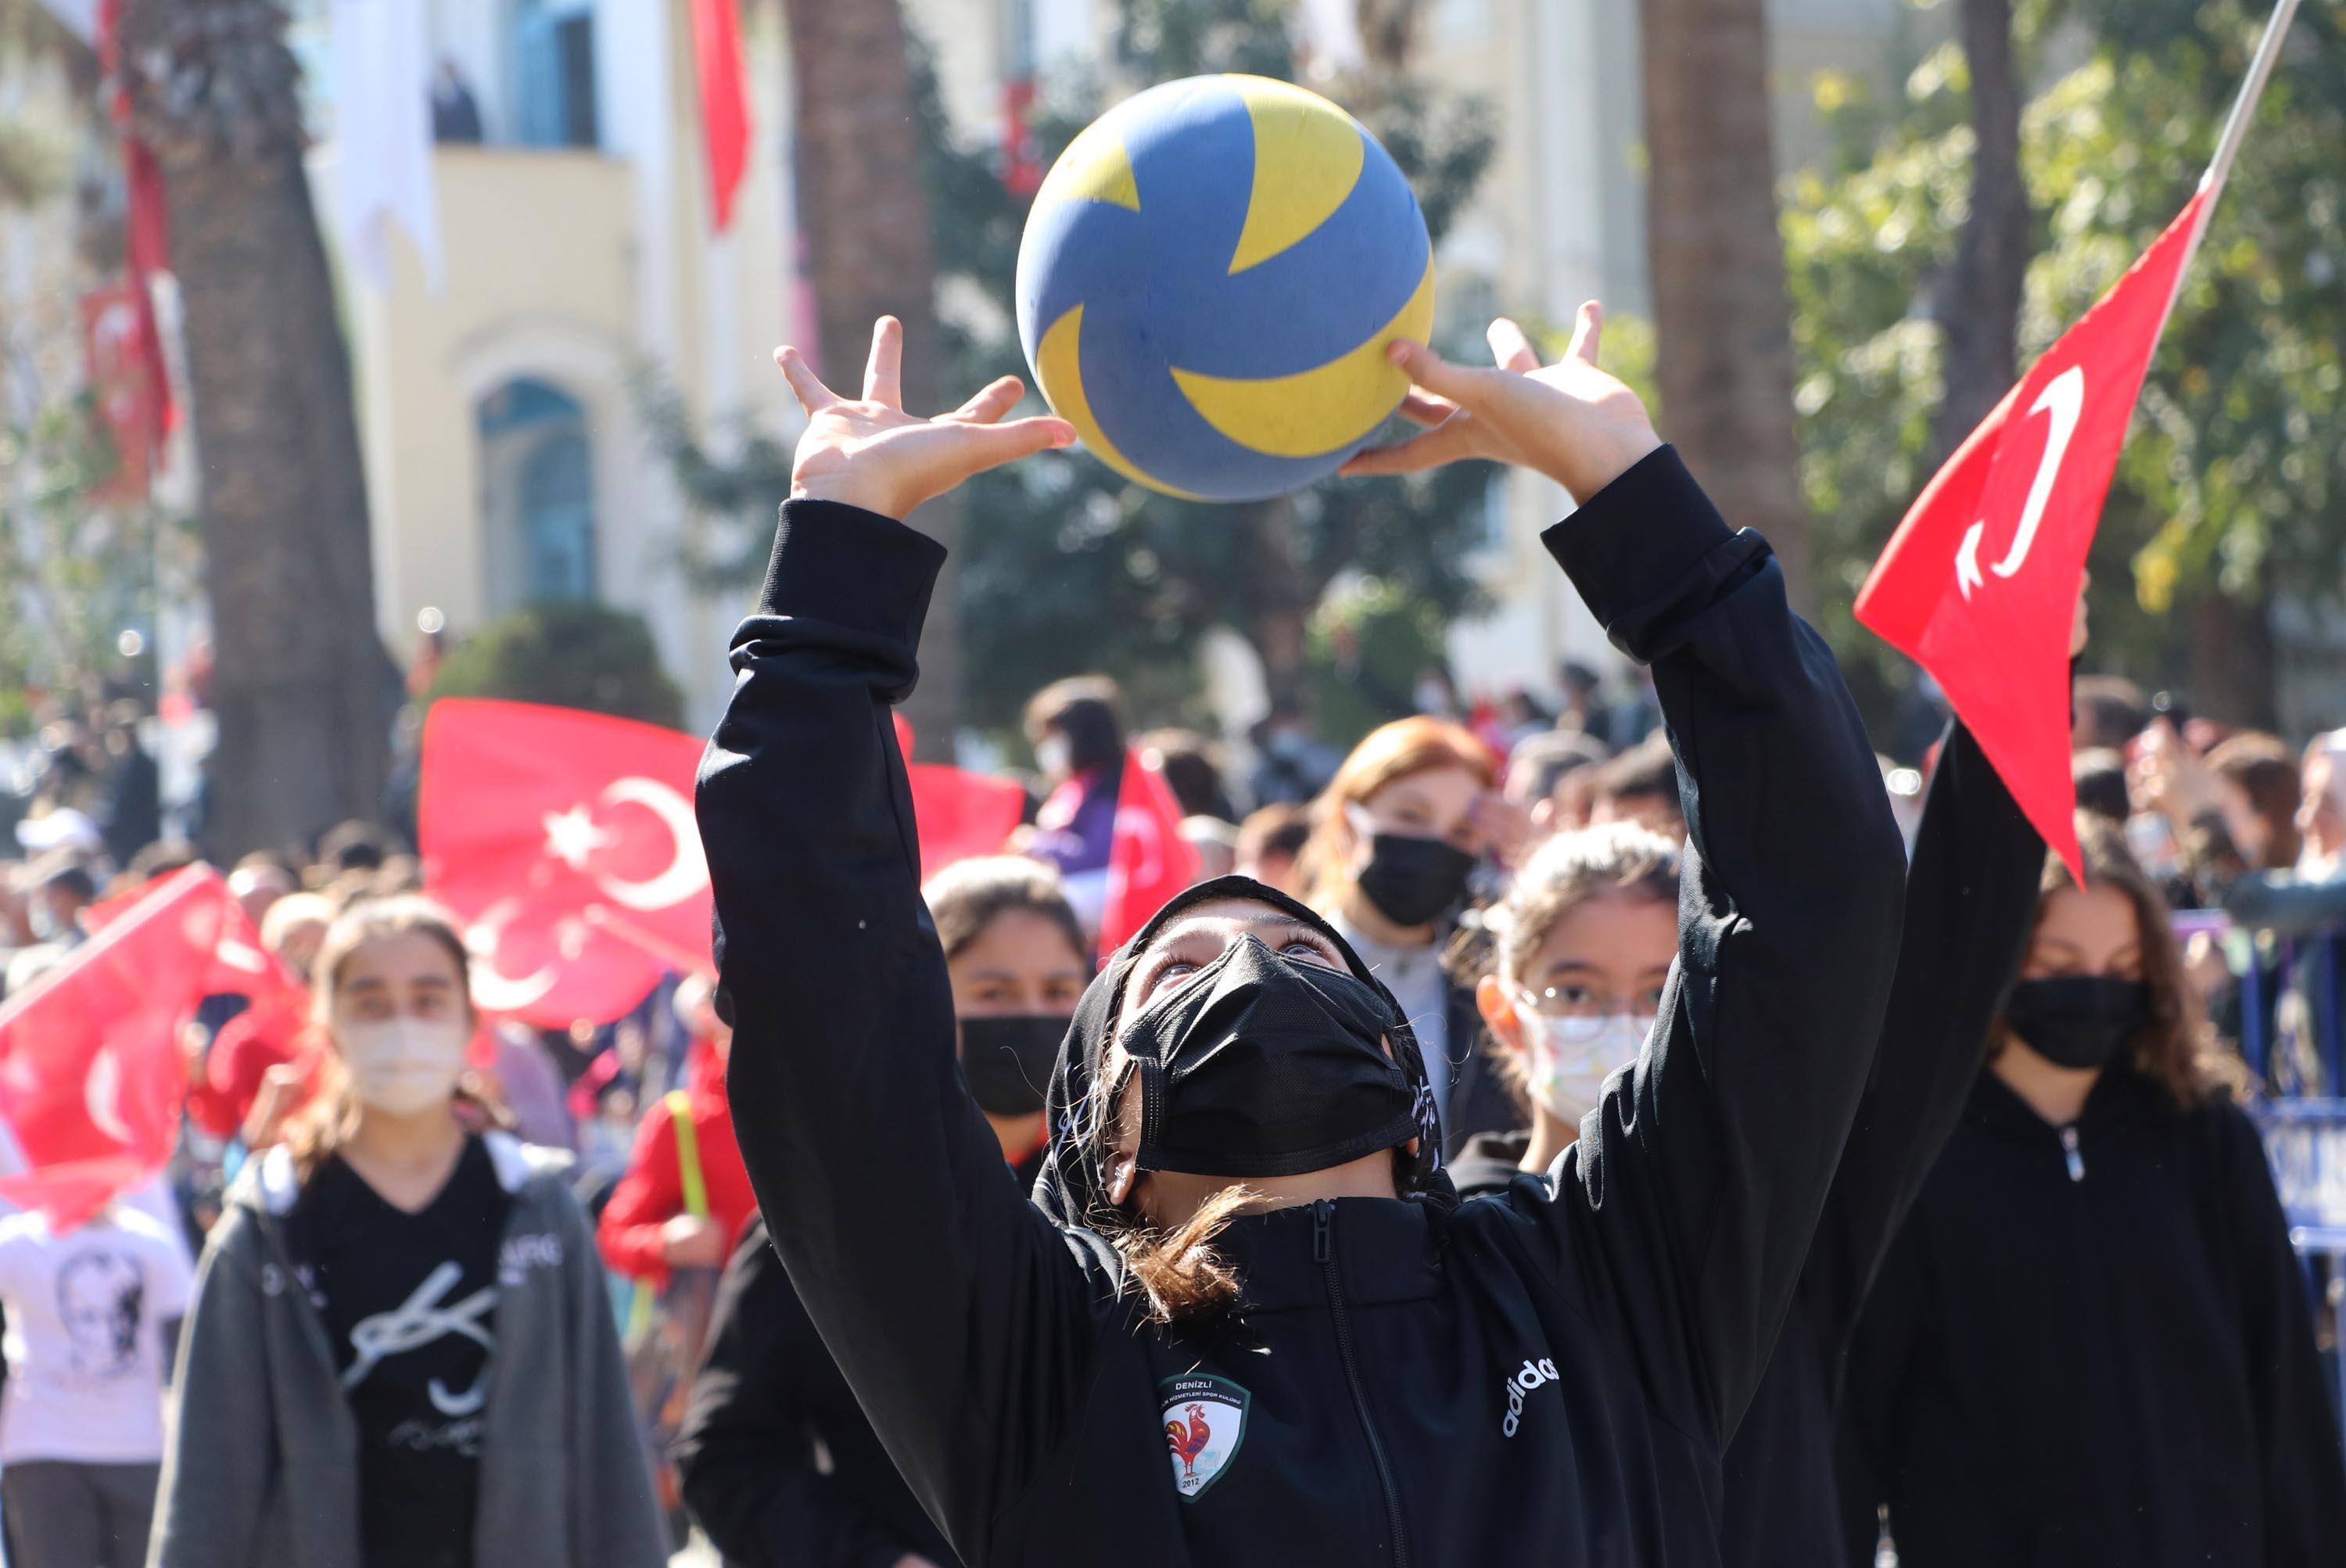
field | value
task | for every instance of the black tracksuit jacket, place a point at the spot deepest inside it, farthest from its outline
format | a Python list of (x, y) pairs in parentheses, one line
[(1971, 894), (2095, 1351), (1385, 1343)]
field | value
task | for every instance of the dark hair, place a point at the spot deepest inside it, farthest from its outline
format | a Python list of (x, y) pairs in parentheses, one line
[(2101, 780), (159, 858), (1083, 708), (1279, 830), (1542, 760), (2264, 769), (68, 873), (967, 896), (355, 846), (2110, 710), (1192, 767), (1647, 771), (2173, 1049), (1578, 679)]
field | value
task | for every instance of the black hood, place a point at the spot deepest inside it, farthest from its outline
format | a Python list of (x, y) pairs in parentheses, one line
[(1072, 1186)]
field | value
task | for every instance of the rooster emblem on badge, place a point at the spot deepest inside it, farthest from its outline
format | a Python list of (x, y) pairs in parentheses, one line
[(1187, 1440)]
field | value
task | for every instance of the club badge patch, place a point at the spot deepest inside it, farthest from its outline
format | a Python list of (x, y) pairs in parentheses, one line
[(1205, 1421)]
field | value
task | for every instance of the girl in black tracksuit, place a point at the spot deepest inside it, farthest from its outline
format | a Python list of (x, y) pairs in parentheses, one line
[(1546, 1377), (1968, 896), (2090, 1345)]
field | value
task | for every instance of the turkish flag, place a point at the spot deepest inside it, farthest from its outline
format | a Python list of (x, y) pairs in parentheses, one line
[(91, 1075), (566, 841), (959, 814), (1980, 584), (1148, 860), (724, 102)]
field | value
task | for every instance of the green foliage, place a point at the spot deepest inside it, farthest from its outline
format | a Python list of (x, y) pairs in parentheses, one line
[(566, 654), (77, 570), (2230, 482)]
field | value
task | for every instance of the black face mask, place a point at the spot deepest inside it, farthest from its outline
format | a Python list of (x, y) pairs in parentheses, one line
[(1412, 881), (2079, 1020), (1008, 1061), (1263, 1066)]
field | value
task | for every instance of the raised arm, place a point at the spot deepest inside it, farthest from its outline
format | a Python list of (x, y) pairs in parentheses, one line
[(958, 1316), (1970, 893), (1695, 1190)]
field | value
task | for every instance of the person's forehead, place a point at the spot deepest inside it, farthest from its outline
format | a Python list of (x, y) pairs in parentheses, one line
[(1224, 917)]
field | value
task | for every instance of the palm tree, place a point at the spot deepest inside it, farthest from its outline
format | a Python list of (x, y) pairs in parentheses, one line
[(864, 216), (302, 688), (1979, 309), (1722, 326)]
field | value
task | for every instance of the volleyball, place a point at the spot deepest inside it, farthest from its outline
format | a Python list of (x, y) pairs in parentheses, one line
[(1209, 281)]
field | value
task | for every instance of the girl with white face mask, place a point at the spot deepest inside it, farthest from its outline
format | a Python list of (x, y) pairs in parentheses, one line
[(402, 1353)]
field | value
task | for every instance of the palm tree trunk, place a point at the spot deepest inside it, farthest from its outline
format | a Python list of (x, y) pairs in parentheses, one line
[(864, 216), (1722, 327), (303, 690), (1979, 312)]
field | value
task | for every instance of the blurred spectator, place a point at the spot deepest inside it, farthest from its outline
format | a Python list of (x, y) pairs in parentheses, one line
[(1636, 719), (132, 816), (1584, 706), (1078, 745), (455, 112), (256, 883), (1549, 776), (523, 1077), (155, 862), (1217, 843), (2110, 711), (353, 845), (294, 927), (1192, 767), (684, 1142), (1292, 766), (62, 888), (1268, 843), (1639, 786), (1394, 842), (1436, 695), (2100, 774), (1522, 716), (93, 1312), (53, 829), (2322, 815)]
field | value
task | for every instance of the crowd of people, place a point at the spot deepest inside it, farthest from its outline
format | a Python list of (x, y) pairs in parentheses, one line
[(1657, 1130)]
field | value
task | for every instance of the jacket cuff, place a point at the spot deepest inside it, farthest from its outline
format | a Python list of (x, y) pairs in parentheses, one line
[(1638, 540), (850, 568)]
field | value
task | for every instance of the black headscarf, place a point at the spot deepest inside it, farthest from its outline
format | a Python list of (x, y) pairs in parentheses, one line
[(1072, 1186)]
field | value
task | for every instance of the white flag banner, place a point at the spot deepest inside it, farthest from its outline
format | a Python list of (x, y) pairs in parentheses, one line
[(79, 16), (382, 135)]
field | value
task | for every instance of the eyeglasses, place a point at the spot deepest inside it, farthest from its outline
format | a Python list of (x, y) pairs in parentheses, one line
[(1580, 1001)]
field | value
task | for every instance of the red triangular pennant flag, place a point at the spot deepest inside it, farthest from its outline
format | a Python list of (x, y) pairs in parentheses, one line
[(90, 1071), (1980, 582), (1148, 860), (724, 102), (566, 841)]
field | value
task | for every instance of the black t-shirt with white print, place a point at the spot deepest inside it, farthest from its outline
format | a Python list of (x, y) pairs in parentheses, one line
[(410, 1306)]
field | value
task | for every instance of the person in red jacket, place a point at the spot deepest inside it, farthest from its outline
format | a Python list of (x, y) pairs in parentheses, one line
[(648, 1227)]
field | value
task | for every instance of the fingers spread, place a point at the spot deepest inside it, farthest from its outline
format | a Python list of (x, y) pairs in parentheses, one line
[(1433, 373), (1587, 333), (883, 376), (991, 402), (812, 395), (1511, 350)]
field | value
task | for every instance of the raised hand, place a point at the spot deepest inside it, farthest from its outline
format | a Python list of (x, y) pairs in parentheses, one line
[(1570, 421), (870, 453)]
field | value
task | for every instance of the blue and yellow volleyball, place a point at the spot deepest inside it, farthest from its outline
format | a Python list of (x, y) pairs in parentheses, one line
[(1208, 283)]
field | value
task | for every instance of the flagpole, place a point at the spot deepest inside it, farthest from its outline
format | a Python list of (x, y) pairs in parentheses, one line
[(2228, 146)]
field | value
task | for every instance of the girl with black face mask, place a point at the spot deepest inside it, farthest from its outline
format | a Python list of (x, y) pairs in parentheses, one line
[(1245, 1321), (770, 1399), (1394, 837), (2091, 1343)]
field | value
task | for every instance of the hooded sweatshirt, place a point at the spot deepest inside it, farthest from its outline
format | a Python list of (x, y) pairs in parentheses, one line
[(1970, 893), (1550, 1377), (262, 1468), (2091, 1346)]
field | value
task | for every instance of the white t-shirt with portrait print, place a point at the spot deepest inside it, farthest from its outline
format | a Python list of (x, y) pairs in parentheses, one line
[(83, 1346)]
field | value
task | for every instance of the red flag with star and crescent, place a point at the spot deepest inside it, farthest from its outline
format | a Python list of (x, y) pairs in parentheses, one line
[(91, 1074), (1980, 582), (1148, 860), (566, 841)]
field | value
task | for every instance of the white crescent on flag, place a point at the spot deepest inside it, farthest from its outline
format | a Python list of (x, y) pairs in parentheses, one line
[(494, 991), (687, 872)]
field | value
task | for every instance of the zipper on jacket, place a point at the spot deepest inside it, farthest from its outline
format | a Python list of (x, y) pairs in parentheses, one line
[(2069, 1151), (1323, 1252)]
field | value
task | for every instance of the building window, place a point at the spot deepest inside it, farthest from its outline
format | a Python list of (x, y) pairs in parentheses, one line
[(553, 73), (537, 496)]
